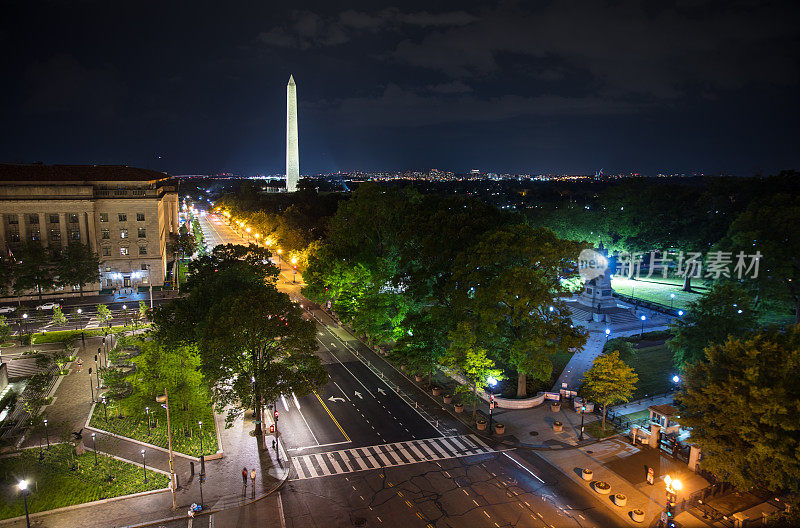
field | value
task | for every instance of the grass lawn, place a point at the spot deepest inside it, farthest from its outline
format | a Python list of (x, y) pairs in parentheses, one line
[(53, 484), (135, 426), (596, 429), (649, 290), (60, 335), (655, 369)]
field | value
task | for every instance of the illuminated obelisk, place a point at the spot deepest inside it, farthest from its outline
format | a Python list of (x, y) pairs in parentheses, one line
[(292, 155)]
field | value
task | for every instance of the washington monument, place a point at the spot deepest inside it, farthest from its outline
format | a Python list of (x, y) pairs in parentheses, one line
[(292, 155)]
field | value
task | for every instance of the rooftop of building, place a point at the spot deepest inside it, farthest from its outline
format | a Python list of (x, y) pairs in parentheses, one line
[(40, 173), (664, 410)]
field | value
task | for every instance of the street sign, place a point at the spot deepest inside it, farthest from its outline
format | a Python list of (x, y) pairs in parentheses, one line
[(256, 421)]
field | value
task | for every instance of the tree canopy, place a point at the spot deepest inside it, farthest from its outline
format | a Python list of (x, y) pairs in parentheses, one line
[(609, 381), (743, 407)]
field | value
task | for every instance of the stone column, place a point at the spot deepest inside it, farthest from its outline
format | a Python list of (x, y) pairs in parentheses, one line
[(694, 457), (654, 430), (62, 226), (91, 232), (42, 229)]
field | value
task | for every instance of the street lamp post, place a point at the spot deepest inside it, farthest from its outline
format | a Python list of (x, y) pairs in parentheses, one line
[(280, 251), (23, 488), (47, 434), (165, 400), (97, 373), (24, 326), (492, 382), (583, 412), (105, 409), (124, 315), (91, 383), (144, 467), (643, 318), (608, 333), (78, 320), (673, 486), (294, 270), (94, 447), (147, 411), (671, 299)]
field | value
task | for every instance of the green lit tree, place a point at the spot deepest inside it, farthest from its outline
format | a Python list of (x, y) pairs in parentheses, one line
[(742, 406), (466, 356), (58, 319), (78, 266), (34, 269), (609, 381), (725, 310), (103, 313)]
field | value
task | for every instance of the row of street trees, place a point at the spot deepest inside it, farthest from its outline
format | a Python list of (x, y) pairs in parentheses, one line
[(34, 267), (253, 342), (431, 273)]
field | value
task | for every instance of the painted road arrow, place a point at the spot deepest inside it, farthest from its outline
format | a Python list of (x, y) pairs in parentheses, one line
[(335, 399), (360, 397), (382, 391)]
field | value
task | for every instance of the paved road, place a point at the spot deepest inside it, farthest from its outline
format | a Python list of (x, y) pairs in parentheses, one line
[(364, 453)]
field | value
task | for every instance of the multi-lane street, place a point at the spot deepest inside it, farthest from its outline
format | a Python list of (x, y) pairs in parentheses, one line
[(373, 448)]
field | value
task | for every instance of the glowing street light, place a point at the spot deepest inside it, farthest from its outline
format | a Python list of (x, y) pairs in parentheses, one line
[(643, 318), (23, 488), (608, 333), (492, 382), (671, 299)]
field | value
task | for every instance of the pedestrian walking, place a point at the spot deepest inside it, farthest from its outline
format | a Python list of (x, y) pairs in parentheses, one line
[(253, 479), (244, 479)]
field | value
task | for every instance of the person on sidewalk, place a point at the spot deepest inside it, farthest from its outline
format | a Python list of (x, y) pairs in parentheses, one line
[(244, 480), (253, 478)]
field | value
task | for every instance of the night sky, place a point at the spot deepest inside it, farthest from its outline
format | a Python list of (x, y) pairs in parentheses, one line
[(530, 87)]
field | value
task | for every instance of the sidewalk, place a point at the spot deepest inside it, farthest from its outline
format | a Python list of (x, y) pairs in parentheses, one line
[(624, 467)]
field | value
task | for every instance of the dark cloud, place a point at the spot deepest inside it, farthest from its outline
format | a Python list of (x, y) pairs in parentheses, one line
[(310, 30)]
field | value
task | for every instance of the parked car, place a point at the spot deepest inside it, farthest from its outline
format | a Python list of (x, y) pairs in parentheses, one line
[(7, 309), (48, 306)]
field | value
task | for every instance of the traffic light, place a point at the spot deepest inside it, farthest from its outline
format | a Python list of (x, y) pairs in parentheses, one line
[(271, 429), (276, 416)]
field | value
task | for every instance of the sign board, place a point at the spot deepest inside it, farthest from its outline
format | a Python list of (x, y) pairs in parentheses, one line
[(650, 476), (552, 396), (563, 385)]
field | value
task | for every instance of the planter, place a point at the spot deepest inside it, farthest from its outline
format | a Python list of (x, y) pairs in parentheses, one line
[(447, 398), (620, 499), (558, 426), (481, 424), (499, 429), (587, 475), (637, 515), (418, 378), (459, 407), (555, 406), (602, 487), (437, 391)]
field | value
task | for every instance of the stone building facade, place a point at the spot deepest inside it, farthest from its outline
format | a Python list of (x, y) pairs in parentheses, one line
[(125, 214)]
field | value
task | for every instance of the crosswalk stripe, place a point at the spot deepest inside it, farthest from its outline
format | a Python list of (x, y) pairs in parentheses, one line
[(478, 441), (386, 455)]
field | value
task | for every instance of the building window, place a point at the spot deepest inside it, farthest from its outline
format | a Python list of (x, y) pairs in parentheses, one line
[(106, 251), (13, 237), (122, 217), (144, 267), (143, 250), (123, 233), (109, 283), (123, 251), (55, 234), (73, 218), (12, 219), (33, 219), (140, 217), (104, 217), (35, 236), (53, 218), (105, 234), (75, 235), (142, 232)]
